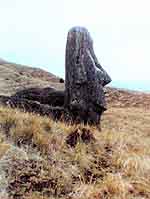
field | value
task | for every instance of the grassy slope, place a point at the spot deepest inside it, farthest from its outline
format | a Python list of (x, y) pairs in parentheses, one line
[(36, 155), (37, 161), (14, 77)]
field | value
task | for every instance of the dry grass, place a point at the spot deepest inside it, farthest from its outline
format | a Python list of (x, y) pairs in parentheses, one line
[(44, 159), (15, 77)]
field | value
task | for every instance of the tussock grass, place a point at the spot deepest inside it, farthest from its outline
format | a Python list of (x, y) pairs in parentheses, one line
[(45, 159)]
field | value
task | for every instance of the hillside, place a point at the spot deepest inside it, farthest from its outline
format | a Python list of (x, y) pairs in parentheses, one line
[(15, 77), (127, 98), (2, 61), (44, 159)]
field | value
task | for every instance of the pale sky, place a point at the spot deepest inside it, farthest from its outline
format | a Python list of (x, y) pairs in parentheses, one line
[(34, 32)]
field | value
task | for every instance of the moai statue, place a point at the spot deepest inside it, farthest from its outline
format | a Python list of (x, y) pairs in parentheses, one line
[(85, 79)]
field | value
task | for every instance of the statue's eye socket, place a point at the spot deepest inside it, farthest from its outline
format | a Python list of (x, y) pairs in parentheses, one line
[(77, 60)]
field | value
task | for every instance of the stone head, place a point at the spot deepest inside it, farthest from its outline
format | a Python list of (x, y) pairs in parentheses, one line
[(80, 54)]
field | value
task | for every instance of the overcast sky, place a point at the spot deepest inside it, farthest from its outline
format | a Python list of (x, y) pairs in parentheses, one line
[(33, 32)]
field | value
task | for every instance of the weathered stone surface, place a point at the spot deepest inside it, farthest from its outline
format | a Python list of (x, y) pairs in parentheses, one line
[(33, 106), (47, 95), (85, 78), (61, 80)]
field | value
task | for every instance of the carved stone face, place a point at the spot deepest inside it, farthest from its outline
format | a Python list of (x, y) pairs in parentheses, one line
[(79, 46)]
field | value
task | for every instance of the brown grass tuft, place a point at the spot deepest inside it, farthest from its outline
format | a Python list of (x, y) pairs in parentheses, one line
[(57, 160)]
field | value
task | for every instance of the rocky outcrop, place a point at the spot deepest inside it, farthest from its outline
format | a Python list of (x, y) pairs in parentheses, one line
[(48, 95), (33, 106)]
